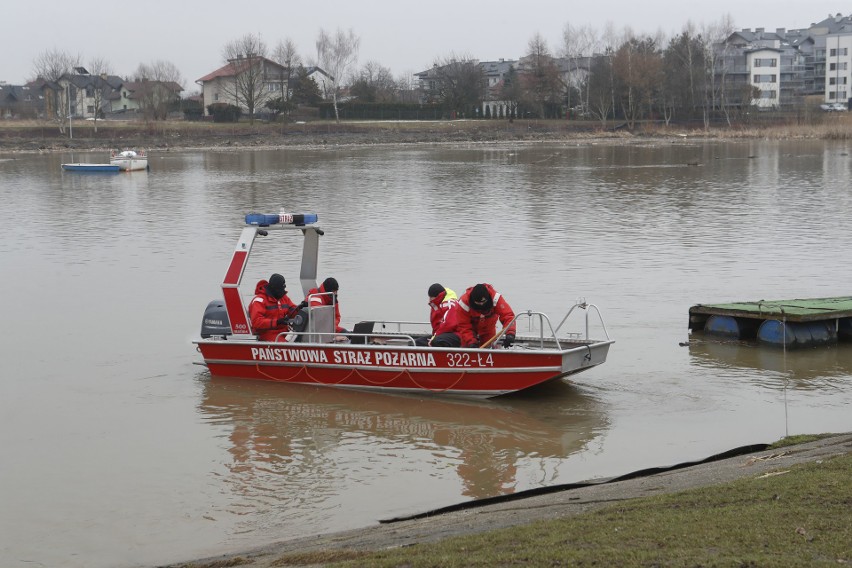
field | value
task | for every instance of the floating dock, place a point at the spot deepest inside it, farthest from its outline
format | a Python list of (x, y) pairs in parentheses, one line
[(784, 323)]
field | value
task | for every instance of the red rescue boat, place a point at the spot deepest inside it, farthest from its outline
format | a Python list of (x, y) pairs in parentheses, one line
[(381, 355)]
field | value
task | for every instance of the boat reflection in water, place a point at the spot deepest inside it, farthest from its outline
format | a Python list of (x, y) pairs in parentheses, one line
[(325, 445), (811, 368)]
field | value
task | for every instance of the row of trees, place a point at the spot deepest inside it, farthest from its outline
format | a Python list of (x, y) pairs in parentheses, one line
[(605, 76), (601, 75)]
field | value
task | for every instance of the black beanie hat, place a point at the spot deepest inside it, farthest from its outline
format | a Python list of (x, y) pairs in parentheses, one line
[(329, 285), (480, 298), (277, 286), (435, 289)]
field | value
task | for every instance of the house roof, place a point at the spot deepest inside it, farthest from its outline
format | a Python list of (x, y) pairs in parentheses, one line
[(233, 68), (142, 85), (498, 68), (313, 69), (759, 49), (96, 81), (11, 93), (756, 36), (40, 83), (834, 24)]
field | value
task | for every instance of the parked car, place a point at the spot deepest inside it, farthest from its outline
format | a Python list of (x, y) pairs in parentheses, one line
[(839, 107)]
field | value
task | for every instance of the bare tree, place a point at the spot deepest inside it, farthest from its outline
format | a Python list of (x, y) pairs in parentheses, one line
[(601, 88), (715, 49), (406, 87), (577, 48), (511, 92), (458, 82), (374, 84), (247, 58), (684, 69), (99, 69), (335, 54), (609, 42), (540, 77), (406, 81), (286, 55), (638, 71), (157, 81), (51, 65)]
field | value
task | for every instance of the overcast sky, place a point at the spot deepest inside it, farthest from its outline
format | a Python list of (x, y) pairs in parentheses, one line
[(405, 37)]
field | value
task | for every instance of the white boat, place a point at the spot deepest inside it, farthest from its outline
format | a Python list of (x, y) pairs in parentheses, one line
[(129, 160)]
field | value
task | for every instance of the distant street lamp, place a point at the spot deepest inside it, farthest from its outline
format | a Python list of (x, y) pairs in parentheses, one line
[(70, 126)]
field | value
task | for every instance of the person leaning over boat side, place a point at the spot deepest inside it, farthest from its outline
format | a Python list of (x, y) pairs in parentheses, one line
[(271, 308), (326, 295), (479, 308), (441, 300)]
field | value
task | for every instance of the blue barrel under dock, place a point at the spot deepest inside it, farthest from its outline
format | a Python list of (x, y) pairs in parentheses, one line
[(784, 323)]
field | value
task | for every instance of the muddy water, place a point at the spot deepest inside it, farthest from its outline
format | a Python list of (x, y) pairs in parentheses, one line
[(119, 451)]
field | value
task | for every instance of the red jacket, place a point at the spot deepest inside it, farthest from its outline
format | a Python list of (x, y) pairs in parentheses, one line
[(475, 328), (325, 300), (439, 307), (264, 312)]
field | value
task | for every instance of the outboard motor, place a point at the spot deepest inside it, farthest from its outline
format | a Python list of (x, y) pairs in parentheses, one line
[(215, 322)]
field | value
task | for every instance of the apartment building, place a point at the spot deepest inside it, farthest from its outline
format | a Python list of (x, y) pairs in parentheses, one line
[(786, 65)]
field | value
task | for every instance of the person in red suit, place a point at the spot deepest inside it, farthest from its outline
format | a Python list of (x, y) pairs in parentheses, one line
[(441, 301), (271, 309), (326, 295), (476, 317)]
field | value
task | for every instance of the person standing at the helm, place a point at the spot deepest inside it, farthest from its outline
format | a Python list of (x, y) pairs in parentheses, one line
[(270, 309), (476, 316)]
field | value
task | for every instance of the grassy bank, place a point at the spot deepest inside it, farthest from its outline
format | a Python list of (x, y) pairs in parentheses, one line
[(796, 518), (799, 516)]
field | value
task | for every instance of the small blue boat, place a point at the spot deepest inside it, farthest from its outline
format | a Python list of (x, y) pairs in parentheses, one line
[(80, 167)]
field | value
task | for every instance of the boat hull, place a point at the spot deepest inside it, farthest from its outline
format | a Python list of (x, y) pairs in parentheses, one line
[(130, 164), (97, 168), (480, 373)]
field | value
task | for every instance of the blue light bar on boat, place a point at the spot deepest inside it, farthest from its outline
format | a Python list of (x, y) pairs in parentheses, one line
[(265, 220)]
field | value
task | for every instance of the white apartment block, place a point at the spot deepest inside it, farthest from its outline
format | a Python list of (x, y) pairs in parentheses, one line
[(764, 67), (838, 65)]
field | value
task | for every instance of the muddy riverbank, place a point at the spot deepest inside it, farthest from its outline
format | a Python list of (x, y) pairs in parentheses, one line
[(41, 137)]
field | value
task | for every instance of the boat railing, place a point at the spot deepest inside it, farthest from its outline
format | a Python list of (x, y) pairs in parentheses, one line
[(553, 335), (585, 306), (398, 332), (380, 338)]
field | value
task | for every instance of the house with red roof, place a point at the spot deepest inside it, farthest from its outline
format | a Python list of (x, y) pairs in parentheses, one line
[(254, 80)]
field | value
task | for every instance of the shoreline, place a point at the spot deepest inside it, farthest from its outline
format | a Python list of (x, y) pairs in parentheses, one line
[(520, 510), (30, 137), (331, 141)]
